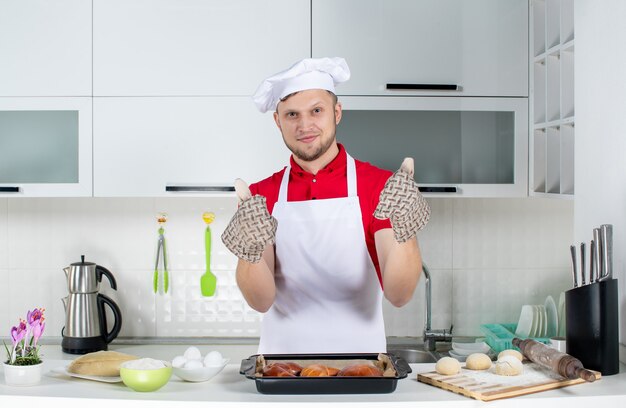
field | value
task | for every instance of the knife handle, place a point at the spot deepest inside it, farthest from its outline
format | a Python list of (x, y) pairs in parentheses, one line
[(582, 264), (572, 249), (606, 231), (597, 251)]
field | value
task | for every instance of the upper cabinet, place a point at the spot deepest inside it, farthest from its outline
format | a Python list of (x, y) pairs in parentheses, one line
[(45, 48), (156, 147), (45, 147), (195, 47), (426, 47)]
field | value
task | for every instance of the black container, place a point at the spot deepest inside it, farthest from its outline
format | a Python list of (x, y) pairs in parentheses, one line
[(592, 325), (324, 385)]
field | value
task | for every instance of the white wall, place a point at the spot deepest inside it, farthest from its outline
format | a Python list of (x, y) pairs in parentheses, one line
[(600, 87), (487, 257)]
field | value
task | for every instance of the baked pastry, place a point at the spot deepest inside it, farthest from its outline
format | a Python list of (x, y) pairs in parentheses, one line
[(100, 363), (282, 370), (360, 370), (318, 370)]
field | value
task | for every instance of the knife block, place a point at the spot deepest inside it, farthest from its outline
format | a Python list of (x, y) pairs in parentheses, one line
[(592, 326)]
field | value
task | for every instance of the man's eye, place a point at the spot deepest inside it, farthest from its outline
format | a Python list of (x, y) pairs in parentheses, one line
[(291, 114), (317, 110)]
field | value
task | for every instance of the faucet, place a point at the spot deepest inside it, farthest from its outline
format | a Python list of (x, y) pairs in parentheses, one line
[(431, 336)]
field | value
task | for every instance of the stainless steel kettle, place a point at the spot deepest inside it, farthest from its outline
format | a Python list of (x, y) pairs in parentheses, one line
[(86, 328), (85, 277)]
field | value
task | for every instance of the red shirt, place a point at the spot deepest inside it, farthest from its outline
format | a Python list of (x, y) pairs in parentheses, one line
[(332, 182)]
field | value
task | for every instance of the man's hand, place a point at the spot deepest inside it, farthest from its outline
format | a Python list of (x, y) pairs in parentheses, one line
[(252, 227), (403, 204)]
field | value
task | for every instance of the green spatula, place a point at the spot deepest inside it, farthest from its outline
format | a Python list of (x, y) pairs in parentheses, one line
[(208, 281)]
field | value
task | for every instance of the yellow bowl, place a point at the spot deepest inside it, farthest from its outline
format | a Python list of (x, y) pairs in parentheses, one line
[(146, 380)]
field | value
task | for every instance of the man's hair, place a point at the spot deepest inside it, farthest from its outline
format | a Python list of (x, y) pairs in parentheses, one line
[(335, 99)]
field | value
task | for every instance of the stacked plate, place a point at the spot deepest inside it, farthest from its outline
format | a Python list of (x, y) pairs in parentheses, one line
[(538, 320), (460, 351), (561, 315)]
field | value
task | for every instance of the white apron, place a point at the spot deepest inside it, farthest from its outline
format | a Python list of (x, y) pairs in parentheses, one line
[(328, 296)]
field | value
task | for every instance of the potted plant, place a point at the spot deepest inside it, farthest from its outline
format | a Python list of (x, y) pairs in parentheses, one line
[(23, 364)]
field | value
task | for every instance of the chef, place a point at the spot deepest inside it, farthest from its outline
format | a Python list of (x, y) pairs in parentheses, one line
[(323, 240)]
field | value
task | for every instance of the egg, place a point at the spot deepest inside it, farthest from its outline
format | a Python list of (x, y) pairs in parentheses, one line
[(214, 358), (179, 361), (192, 353), (193, 364)]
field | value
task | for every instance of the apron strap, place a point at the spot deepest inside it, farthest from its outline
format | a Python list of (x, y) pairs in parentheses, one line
[(351, 170)]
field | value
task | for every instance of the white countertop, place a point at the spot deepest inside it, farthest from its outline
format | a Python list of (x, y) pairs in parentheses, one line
[(229, 388)]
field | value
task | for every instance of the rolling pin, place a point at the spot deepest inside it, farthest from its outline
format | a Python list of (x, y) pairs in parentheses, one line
[(561, 363)]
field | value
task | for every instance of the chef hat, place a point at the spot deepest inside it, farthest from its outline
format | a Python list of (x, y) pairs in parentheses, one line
[(309, 73)]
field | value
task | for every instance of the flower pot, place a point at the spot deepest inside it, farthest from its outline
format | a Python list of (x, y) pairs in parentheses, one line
[(22, 375)]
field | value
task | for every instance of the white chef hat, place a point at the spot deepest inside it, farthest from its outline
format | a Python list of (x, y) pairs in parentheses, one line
[(309, 73)]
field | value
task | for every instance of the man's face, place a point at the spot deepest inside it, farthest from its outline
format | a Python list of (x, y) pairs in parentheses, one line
[(308, 121)]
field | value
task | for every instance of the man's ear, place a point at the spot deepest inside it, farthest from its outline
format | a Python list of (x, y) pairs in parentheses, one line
[(277, 120), (338, 113)]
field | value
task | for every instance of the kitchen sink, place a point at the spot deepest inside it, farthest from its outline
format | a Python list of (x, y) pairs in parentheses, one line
[(415, 355)]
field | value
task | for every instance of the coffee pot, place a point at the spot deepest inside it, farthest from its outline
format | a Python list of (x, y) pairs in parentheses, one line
[(86, 328)]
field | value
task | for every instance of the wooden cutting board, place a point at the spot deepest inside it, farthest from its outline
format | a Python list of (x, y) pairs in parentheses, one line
[(488, 386)]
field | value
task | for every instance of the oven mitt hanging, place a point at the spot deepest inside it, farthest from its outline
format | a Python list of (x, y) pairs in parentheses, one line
[(252, 227), (403, 204)]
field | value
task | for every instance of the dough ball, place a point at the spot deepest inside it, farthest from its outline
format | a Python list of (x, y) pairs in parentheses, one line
[(511, 352), (193, 364), (213, 359), (509, 365), (478, 361), (179, 361), (193, 353), (448, 366)]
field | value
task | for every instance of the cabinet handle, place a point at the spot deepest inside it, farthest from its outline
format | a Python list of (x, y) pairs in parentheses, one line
[(424, 87), (196, 189), (437, 189), (9, 189)]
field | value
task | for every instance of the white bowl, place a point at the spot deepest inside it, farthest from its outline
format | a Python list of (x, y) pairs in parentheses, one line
[(465, 349), (200, 374)]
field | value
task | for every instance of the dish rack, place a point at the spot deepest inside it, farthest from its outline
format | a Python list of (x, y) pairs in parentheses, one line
[(500, 336)]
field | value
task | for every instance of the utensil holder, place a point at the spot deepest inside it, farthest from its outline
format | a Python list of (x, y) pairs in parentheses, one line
[(592, 325)]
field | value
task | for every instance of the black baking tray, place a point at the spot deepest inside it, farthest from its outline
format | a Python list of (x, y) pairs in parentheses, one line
[(325, 385)]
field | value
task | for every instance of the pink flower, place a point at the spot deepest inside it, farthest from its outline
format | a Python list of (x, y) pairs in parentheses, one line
[(38, 331), (34, 316), (18, 333)]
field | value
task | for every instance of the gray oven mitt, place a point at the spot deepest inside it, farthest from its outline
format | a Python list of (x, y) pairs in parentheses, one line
[(403, 204), (252, 227)]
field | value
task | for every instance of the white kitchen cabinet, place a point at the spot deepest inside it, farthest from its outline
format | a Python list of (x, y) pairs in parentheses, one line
[(45, 48), (462, 147), (45, 147), (195, 47), (478, 48), (143, 145), (552, 98)]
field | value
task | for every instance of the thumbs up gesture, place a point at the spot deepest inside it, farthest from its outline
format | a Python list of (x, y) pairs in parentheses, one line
[(403, 204), (252, 227)]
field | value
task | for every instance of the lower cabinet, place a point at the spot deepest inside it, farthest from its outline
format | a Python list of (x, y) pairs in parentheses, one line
[(155, 147)]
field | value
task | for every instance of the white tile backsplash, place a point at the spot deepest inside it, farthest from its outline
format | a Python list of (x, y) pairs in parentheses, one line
[(487, 257)]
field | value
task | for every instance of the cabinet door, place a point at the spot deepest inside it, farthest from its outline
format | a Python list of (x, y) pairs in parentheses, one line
[(143, 145), (470, 147), (481, 46), (45, 48), (45, 147), (195, 47)]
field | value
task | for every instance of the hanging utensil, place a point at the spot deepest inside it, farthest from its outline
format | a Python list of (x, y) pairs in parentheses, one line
[(208, 281), (161, 254)]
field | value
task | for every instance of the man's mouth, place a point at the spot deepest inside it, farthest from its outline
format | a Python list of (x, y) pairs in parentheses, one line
[(307, 139)]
